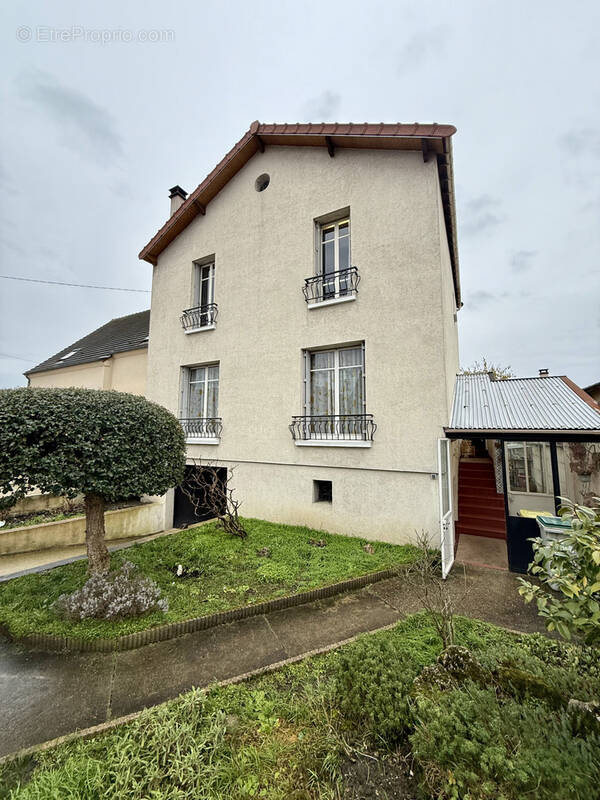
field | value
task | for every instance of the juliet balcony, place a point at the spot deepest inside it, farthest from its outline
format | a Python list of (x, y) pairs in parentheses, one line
[(333, 430), (200, 318), (331, 287), (202, 430)]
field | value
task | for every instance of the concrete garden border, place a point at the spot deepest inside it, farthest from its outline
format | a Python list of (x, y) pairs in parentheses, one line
[(161, 633), (136, 520)]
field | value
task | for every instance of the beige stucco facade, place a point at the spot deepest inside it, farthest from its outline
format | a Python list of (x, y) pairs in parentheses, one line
[(124, 372), (405, 314)]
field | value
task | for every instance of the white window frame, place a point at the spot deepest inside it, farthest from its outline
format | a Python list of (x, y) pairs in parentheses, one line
[(199, 267), (547, 478), (314, 441), (186, 382), (322, 225)]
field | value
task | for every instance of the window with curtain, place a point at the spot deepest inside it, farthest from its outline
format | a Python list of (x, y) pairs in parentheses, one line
[(202, 392), (528, 466), (335, 382)]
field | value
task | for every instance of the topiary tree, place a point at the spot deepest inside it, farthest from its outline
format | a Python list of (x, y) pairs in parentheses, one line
[(105, 445)]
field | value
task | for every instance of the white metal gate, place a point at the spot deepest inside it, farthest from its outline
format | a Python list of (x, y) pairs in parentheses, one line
[(446, 521)]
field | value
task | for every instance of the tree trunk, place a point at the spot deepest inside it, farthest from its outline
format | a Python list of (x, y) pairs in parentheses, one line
[(98, 556)]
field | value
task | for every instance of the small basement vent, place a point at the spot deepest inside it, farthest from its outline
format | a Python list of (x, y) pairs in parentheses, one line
[(322, 492)]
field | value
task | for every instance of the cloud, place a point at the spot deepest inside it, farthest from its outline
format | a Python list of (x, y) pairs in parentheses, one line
[(477, 300), (323, 107), (422, 46), (83, 125), (581, 142), (521, 260), (481, 214)]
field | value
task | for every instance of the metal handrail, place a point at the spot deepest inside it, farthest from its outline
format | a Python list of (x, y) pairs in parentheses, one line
[(202, 427), (341, 427), (199, 316), (331, 285)]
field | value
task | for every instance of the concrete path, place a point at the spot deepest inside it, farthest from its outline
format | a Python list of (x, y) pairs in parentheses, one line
[(45, 695)]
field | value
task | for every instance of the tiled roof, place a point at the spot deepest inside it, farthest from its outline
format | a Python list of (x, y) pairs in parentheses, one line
[(117, 336), (551, 403), (433, 140)]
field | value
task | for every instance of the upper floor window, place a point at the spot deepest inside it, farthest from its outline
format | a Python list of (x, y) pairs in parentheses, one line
[(335, 257), (204, 284), (203, 313), (335, 280)]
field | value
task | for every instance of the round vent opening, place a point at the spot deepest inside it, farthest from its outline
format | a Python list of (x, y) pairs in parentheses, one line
[(261, 183)]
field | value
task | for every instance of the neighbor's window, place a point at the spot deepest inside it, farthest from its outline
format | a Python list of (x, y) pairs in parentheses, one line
[(528, 466), (201, 392), (334, 256), (335, 382)]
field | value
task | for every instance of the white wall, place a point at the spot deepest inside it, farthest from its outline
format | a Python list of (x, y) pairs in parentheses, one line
[(264, 247)]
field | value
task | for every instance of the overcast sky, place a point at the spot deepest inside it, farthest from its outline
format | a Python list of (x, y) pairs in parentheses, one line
[(93, 135)]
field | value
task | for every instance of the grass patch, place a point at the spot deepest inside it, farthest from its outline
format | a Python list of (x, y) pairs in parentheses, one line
[(285, 736), (225, 573)]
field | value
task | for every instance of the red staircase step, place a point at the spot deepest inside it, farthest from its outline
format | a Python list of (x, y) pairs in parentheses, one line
[(480, 507)]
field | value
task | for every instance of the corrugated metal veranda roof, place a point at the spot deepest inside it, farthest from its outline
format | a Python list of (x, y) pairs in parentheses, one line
[(549, 403)]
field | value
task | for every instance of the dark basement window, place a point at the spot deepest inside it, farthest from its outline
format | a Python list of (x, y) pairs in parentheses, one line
[(322, 491)]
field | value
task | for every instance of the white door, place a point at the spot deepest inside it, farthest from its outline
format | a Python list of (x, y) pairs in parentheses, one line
[(446, 521)]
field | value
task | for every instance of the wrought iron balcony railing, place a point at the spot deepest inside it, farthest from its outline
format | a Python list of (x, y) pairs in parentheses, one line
[(199, 317), (335, 427), (202, 427), (331, 286)]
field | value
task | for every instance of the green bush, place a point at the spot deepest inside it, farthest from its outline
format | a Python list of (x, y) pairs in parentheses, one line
[(473, 746), (566, 669), (373, 681), (570, 567)]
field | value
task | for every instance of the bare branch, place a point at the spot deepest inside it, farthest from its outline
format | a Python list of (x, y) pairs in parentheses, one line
[(208, 487)]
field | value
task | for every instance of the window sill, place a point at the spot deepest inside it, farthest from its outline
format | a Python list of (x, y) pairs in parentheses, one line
[(202, 441), (332, 443), (198, 330), (334, 301)]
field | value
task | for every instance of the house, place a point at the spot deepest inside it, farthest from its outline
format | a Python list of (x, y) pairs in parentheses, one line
[(304, 323), (594, 391), (531, 441), (111, 357)]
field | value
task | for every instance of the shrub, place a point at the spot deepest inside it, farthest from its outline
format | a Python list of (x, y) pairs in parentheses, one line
[(571, 567), (471, 745), (112, 596), (373, 681), (583, 659), (565, 669)]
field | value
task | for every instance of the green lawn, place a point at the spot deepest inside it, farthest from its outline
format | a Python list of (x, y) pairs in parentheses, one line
[(298, 734), (232, 574)]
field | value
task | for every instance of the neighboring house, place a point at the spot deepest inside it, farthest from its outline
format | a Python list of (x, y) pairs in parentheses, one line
[(594, 391), (112, 357), (304, 324), (533, 440)]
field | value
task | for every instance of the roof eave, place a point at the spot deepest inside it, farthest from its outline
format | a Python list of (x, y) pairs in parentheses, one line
[(330, 135), (581, 434)]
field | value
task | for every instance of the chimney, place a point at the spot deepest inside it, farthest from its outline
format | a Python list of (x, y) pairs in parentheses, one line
[(544, 373), (178, 197)]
